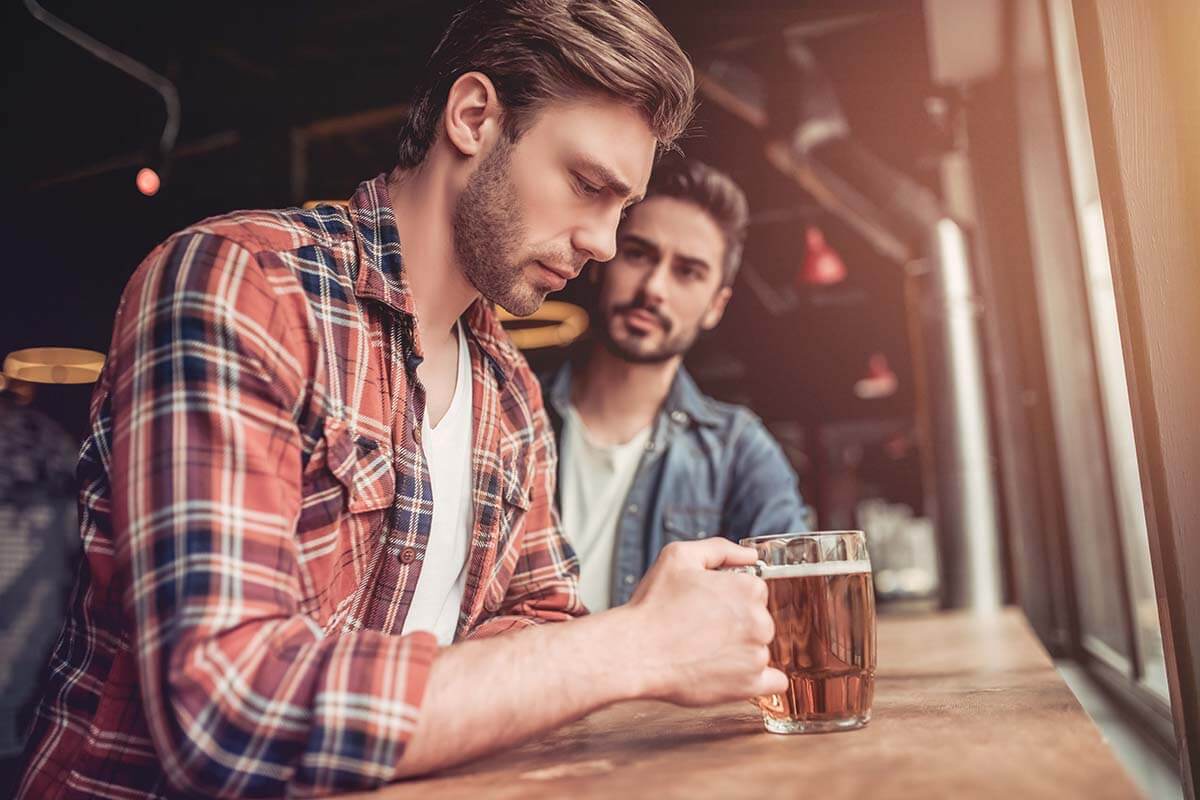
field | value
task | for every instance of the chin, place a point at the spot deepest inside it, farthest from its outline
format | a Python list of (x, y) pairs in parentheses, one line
[(521, 303), (631, 350)]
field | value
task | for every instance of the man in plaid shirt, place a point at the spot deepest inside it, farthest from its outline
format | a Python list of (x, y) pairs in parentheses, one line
[(271, 560)]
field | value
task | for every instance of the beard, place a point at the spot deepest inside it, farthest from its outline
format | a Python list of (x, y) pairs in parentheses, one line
[(633, 348), (488, 232)]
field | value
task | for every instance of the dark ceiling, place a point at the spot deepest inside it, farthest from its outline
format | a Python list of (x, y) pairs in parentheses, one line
[(262, 66)]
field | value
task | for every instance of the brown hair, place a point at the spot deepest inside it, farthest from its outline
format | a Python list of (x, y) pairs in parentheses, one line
[(716, 194), (538, 51)]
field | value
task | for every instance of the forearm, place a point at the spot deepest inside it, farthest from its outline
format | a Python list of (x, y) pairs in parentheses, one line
[(489, 694)]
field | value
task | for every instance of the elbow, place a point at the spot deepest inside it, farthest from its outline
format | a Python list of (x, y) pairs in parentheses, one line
[(205, 747)]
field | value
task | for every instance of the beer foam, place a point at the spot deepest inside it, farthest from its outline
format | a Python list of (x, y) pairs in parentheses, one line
[(818, 569)]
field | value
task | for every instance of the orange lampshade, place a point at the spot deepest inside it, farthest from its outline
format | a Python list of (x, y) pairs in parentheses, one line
[(554, 324), (54, 365)]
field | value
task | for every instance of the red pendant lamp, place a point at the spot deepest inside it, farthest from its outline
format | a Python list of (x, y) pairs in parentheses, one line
[(822, 265)]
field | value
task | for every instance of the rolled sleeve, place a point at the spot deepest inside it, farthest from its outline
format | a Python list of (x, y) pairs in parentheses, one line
[(243, 693)]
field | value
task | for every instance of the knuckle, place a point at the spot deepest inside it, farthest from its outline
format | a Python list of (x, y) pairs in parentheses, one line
[(760, 590), (767, 626), (671, 551), (748, 585), (762, 657)]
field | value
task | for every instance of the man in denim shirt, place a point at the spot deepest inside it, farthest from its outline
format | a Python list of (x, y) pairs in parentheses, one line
[(645, 458)]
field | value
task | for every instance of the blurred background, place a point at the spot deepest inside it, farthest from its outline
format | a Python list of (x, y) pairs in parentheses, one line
[(937, 317)]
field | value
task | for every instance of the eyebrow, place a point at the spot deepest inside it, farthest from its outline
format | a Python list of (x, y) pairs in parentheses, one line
[(610, 180)]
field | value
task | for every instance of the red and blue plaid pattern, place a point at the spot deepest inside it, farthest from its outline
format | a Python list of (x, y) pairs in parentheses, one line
[(255, 509)]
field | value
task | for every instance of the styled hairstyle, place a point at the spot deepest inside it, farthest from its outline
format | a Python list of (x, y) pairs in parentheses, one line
[(713, 192), (539, 51)]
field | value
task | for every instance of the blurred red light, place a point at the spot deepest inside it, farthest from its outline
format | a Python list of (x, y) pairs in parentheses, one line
[(822, 265), (148, 182)]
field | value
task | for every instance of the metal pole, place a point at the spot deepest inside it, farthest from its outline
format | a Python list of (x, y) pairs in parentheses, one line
[(967, 506)]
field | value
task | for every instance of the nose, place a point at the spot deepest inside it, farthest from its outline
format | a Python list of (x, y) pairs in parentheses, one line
[(598, 238), (654, 284)]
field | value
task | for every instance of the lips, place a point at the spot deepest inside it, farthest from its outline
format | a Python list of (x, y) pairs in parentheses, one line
[(554, 277), (557, 276), (565, 273), (642, 320)]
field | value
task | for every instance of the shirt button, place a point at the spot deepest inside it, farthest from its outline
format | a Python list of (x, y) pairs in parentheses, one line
[(633, 508), (408, 555), (650, 445), (679, 416), (629, 580)]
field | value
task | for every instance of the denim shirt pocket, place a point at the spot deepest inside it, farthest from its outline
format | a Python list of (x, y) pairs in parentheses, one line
[(684, 523)]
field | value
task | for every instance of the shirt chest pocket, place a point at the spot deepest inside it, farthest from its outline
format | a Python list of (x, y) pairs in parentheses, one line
[(347, 488), (516, 499), (345, 474), (683, 523)]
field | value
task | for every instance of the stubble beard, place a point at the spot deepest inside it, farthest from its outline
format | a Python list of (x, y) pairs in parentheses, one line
[(488, 233)]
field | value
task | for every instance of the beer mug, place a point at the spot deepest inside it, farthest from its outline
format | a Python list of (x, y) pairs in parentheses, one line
[(823, 604)]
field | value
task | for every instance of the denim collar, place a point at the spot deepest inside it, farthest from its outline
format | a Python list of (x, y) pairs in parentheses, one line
[(685, 402)]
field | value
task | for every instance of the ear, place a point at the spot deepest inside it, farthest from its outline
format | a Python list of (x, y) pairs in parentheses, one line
[(472, 115), (716, 308)]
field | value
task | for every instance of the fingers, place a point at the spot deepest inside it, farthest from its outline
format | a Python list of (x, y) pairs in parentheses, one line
[(764, 627), (750, 587), (711, 553), (771, 681)]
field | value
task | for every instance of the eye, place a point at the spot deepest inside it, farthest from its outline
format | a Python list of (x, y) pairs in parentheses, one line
[(632, 252), (586, 188)]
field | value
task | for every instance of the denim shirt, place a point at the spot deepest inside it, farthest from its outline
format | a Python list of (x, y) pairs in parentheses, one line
[(709, 469)]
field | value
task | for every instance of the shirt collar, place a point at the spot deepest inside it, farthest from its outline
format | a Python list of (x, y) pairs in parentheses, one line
[(380, 275), (684, 398), (380, 262)]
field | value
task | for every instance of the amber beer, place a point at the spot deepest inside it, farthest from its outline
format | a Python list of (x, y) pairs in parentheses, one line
[(824, 642)]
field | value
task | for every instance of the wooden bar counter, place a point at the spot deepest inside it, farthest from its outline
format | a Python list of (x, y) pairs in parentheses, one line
[(964, 707)]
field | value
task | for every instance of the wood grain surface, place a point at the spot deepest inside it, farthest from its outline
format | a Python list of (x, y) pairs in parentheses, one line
[(964, 707)]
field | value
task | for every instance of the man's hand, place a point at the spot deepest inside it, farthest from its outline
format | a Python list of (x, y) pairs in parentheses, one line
[(692, 635), (703, 633)]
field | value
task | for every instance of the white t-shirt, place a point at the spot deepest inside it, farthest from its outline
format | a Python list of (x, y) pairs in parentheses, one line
[(447, 447), (595, 482)]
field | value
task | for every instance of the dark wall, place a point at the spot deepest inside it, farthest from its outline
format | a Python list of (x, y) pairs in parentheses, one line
[(248, 76)]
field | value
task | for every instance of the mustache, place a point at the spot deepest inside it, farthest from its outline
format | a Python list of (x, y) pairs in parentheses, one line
[(638, 305)]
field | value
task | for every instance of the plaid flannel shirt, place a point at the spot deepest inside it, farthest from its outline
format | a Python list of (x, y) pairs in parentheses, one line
[(255, 506)]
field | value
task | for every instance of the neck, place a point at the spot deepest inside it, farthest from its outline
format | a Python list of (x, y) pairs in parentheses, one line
[(617, 398), (424, 208)]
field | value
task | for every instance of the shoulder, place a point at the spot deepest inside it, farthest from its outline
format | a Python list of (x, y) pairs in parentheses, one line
[(741, 431), (732, 419), (262, 232), (278, 255)]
